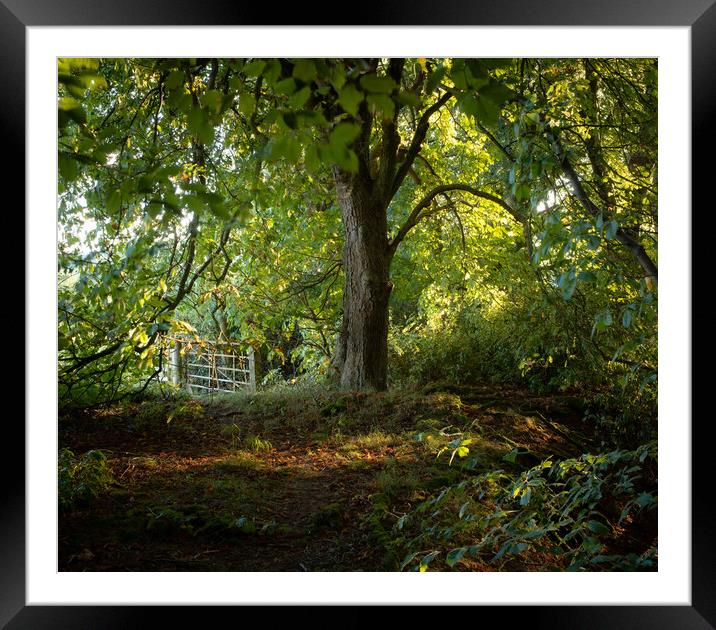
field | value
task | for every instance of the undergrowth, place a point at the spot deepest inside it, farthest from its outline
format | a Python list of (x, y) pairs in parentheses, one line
[(572, 511), (81, 479)]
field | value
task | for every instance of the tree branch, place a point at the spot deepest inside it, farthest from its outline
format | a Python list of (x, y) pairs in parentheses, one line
[(417, 212), (622, 236), (416, 143)]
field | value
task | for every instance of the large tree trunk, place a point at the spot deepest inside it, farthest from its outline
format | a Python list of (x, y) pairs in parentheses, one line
[(361, 356)]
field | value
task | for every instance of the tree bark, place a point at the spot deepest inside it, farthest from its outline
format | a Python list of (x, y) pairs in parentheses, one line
[(361, 355)]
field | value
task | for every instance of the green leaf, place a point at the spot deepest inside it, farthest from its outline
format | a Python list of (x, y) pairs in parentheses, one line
[(377, 85), (216, 203), (286, 86), (305, 70), (522, 192), (626, 318), (425, 562), (409, 98), (407, 560), (282, 147), (154, 207), (454, 556), (611, 230), (487, 111), (145, 184), (434, 78), (199, 125), (212, 100), (567, 283), (587, 276), (468, 104), (174, 80), (496, 92), (194, 203), (180, 101), (478, 69), (67, 103), (383, 104), (593, 242), (67, 166), (598, 528), (343, 134), (247, 104), (350, 98), (602, 321), (300, 98), (113, 202), (495, 62), (344, 158), (272, 71), (644, 499), (254, 68), (290, 119), (526, 496), (312, 159)]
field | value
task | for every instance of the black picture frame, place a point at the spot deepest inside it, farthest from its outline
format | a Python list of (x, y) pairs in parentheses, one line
[(699, 15)]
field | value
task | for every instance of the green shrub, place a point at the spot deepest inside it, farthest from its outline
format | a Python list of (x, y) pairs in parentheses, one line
[(573, 510), (81, 479)]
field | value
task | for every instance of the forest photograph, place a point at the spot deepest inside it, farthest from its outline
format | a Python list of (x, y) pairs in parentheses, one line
[(357, 314)]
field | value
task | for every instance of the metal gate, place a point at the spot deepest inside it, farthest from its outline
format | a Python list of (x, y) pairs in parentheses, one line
[(205, 365)]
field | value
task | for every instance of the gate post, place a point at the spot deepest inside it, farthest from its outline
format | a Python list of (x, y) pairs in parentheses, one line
[(251, 355), (176, 363)]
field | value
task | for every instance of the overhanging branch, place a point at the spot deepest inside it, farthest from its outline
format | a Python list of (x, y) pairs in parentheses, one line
[(418, 213)]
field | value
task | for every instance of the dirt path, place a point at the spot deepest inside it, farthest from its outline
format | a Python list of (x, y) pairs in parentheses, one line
[(191, 495)]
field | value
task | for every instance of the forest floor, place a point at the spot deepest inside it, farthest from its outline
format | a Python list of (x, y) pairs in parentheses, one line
[(293, 481)]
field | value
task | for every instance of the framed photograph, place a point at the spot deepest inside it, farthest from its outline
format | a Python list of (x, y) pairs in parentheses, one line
[(35, 34)]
